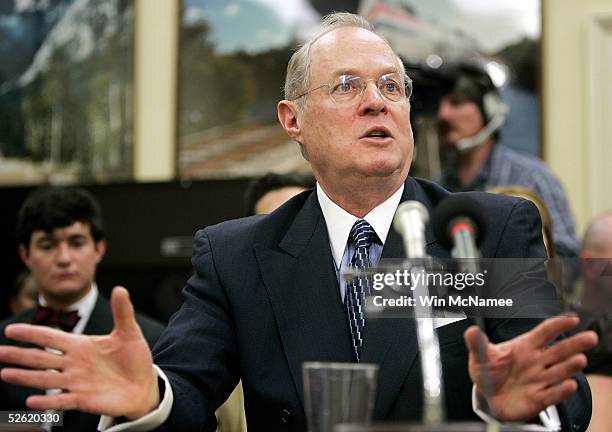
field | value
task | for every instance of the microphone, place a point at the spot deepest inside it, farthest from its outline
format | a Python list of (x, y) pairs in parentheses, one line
[(459, 224), (499, 111), (409, 221)]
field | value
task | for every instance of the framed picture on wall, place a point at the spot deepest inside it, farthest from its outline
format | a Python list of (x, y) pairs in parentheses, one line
[(233, 57), (65, 91)]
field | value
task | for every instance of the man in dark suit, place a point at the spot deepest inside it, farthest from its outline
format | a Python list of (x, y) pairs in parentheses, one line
[(61, 241), (265, 295)]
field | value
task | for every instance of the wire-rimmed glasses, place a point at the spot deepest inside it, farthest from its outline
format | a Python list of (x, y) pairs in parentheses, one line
[(392, 86)]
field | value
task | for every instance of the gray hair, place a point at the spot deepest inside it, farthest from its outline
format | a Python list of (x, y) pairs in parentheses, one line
[(297, 80)]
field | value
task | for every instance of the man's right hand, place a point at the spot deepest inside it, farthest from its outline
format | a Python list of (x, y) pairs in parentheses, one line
[(111, 374), (530, 372)]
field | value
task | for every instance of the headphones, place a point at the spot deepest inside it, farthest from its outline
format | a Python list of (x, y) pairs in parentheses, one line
[(496, 112), (494, 106), (473, 81)]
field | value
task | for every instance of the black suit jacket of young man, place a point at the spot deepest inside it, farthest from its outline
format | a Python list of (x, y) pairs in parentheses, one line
[(264, 298), (13, 397)]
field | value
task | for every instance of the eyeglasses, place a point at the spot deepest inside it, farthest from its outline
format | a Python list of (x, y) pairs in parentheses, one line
[(392, 86)]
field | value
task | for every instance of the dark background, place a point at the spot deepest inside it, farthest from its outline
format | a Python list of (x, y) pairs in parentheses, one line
[(138, 218)]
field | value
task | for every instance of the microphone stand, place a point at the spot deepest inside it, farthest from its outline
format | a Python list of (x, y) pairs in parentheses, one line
[(467, 253), (429, 347), (412, 232)]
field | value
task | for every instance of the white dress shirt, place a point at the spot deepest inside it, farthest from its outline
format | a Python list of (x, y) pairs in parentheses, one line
[(339, 223)]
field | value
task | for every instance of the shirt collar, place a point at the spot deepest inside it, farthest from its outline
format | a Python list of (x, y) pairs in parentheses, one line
[(84, 307), (339, 222)]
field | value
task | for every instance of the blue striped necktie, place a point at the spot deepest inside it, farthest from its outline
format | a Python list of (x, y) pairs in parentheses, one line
[(362, 235)]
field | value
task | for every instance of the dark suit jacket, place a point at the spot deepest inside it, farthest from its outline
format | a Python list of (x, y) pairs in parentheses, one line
[(264, 298), (100, 322)]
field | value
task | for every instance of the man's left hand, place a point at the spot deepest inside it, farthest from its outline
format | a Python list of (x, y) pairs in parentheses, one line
[(527, 373)]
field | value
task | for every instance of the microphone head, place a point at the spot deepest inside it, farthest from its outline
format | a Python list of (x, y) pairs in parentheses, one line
[(405, 211), (454, 207)]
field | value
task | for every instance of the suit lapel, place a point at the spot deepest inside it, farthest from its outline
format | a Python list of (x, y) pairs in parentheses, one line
[(101, 318), (303, 288)]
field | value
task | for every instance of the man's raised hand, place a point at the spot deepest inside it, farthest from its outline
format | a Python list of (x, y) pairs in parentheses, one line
[(111, 374), (527, 373)]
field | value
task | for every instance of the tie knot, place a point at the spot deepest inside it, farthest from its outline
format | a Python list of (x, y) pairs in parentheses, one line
[(362, 234), (54, 318)]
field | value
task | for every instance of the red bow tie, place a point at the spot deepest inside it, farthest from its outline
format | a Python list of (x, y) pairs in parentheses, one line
[(54, 318)]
